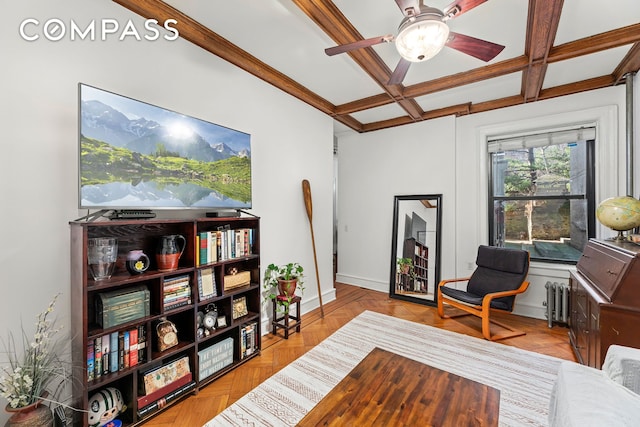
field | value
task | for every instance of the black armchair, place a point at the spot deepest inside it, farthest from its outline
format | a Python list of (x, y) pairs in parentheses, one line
[(500, 275)]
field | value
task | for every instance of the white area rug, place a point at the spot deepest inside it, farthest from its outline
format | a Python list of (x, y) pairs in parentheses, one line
[(524, 378)]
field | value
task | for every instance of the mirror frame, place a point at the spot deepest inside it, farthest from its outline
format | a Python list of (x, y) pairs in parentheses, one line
[(395, 278)]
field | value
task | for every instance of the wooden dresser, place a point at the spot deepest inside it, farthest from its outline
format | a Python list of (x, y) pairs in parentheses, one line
[(605, 300)]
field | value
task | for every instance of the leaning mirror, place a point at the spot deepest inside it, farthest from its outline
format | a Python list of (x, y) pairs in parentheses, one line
[(415, 248)]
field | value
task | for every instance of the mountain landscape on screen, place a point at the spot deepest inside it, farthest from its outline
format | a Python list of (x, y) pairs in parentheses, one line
[(137, 155)]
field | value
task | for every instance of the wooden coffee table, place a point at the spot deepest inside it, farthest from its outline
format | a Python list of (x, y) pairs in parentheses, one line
[(386, 389)]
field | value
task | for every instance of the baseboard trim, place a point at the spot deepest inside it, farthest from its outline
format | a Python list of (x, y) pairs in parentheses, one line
[(362, 282)]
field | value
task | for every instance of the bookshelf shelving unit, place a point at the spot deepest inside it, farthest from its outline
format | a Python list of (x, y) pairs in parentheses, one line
[(419, 254), (230, 343)]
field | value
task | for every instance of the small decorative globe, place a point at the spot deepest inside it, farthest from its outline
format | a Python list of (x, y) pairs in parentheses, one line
[(619, 213)]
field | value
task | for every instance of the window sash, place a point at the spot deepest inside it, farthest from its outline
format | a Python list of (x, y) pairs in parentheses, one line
[(512, 143)]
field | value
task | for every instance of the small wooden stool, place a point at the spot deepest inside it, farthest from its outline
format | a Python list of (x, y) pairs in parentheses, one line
[(286, 325)]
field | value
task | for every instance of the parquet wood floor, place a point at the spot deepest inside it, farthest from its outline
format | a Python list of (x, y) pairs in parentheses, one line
[(277, 352)]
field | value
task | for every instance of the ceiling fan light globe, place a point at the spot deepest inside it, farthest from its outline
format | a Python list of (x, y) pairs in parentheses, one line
[(422, 38)]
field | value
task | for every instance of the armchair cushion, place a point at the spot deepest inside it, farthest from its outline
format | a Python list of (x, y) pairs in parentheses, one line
[(466, 297)]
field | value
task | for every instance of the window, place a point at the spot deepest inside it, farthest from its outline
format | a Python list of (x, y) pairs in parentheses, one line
[(542, 194)]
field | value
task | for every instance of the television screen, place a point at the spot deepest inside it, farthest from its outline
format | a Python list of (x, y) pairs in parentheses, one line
[(135, 155)]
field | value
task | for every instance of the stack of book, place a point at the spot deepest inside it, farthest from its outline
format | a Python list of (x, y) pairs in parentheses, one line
[(249, 339), (220, 245), (115, 351), (176, 292)]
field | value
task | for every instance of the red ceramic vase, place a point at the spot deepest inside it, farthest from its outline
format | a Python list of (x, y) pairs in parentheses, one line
[(35, 415), (287, 287)]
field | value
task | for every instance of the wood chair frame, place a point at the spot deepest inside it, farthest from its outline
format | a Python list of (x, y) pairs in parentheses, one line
[(483, 311)]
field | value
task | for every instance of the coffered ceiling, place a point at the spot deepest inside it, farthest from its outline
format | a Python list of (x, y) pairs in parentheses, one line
[(552, 48)]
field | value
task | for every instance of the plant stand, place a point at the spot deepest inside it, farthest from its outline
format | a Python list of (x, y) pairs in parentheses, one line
[(283, 321)]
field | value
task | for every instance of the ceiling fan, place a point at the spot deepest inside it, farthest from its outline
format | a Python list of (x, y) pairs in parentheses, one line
[(423, 32)]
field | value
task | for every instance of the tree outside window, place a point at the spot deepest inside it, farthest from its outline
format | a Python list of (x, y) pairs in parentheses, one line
[(542, 197)]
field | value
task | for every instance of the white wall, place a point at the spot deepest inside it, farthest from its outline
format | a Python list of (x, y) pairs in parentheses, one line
[(38, 163), (373, 168), (448, 156)]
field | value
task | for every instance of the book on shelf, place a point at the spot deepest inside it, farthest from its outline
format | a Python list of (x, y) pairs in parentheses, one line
[(133, 347), (97, 348), (126, 349), (206, 283), (114, 353), (223, 244), (213, 244), (120, 348), (142, 344), (162, 402), (203, 249), (106, 354), (207, 247), (230, 244), (90, 361), (176, 292), (175, 282), (177, 303), (249, 339), (197, 250)]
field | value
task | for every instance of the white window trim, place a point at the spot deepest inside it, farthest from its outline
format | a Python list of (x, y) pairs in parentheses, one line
[(605, 120)]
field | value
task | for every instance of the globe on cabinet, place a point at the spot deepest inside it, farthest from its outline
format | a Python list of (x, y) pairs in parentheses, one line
[(619, 214)]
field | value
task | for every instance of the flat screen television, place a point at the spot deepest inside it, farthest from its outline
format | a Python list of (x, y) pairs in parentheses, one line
[(135, 155)]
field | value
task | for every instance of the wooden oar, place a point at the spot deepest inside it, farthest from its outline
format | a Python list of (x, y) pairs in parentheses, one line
[(306, 191)]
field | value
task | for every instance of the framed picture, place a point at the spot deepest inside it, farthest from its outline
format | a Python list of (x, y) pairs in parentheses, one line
[(240, 307), (206, 283), (222, 322)]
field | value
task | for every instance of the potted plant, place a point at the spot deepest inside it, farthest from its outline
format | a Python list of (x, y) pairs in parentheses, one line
[(283, 281), (405, 266), (36, 373)]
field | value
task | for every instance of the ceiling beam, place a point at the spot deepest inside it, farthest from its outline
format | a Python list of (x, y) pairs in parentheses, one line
[(542, 25), (541, 29), (470, 108), (585, 46), (203, 37), (466, 77), (577, 87), (629, 64), (330, 19), (596, 43), (350, 122), (363, 104)]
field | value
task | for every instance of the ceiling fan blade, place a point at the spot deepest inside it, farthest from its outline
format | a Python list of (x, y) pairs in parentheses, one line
[(406, 6), (481, 49), (459, 7), (400, 72), (358, 45)]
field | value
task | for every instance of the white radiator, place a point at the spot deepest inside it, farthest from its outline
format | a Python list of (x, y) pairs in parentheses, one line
[(557, 302)]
